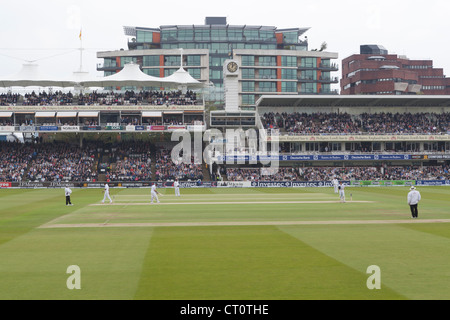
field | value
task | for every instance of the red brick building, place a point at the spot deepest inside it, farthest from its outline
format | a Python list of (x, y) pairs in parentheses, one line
[(375, 71)]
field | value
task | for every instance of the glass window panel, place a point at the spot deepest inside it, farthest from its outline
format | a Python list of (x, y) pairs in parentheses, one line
[(288, 86), (152, 72), (267, 87), (248, 60), (248, 99), (150, 61), (248, 73), (193, 60), (248, 86), (288, 73), (125, 60), (267, 74)]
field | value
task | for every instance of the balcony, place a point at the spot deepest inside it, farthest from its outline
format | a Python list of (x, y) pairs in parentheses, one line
[(307, 79), (328, 80), (328, 67)]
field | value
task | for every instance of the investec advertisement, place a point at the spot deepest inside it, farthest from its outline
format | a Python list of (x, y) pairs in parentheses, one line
[(227, 184)]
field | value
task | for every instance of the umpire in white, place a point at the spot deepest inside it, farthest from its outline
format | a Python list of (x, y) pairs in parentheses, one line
[(68, 192), (413, 200), (176, 185)]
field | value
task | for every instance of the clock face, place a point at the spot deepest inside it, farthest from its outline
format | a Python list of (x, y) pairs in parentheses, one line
[(232, 66)]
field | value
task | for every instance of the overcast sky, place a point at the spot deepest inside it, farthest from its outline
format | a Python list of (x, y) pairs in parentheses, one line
[(48, 30)]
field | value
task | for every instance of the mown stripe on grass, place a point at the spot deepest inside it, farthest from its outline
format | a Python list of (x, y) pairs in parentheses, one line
[(245, 262), (414, 264)]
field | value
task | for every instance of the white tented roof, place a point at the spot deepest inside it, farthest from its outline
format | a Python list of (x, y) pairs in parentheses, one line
[(130, 75), (5, 114), (31, 75), (182, 77)]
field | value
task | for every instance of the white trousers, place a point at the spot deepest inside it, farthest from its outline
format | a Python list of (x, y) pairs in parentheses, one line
[(342, 195), (154, 196), (106, 196), (177, 191)]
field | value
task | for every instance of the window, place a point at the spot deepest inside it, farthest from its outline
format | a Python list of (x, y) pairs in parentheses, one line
[(193, 60), (234, 34), (152, 72), (194, 72), (168, 72), (289, 74), (268, 87), (169, 35), (185, 35), (288, 86), (172, 60), (248, 73), (108, 63), (248, 99), (248, 60), (268, 61), (309, 87), (287, 61), (202, 34), (290, 37), (267, 74), (308, 75), (150, 61), (216, 61), (218, 35), (251, 34), (309, 62), (215, 74), (144, 36), (248, 86), (125, 60)]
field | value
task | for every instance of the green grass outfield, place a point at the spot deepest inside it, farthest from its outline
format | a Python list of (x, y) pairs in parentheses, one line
[(225, 244)]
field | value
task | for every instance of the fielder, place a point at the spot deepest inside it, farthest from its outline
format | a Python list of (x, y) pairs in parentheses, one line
[(176, 184), (341, 192), (335, 184), (154, 194), (106, 191)]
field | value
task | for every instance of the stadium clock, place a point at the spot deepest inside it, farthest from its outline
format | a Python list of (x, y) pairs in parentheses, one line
[(232, 66)]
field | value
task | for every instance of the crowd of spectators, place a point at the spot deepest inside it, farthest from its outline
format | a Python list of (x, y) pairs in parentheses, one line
[(60, 161), (57, 98), (262, 174), (341, 173), (14, 159), (129, 97), (9, 99), (131, 161), (170, 169), (344, 123), (139, 98)]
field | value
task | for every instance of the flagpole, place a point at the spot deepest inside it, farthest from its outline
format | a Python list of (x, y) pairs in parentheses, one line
[(81, 52)]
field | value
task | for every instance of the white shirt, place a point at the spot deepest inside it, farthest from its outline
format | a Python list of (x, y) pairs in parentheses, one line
[(176, 184), (154, 188), (413, 197), (335, 182), (106, 188), (341, 187), (67, 191)]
